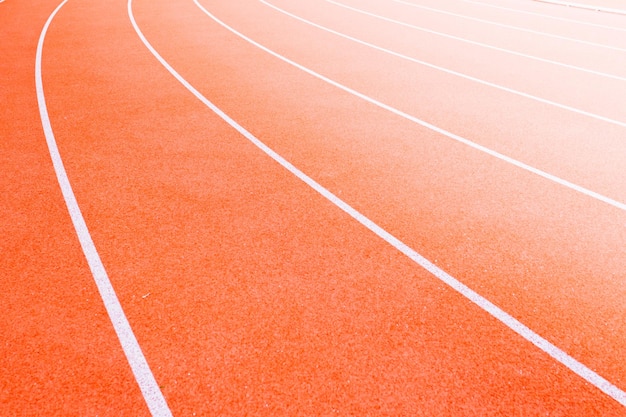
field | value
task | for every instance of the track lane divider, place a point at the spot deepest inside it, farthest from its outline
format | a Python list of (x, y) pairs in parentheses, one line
[(547, 16), (143, 375), (451, 72), (559, 355), (480, 44), (585, 6), (521, 29)]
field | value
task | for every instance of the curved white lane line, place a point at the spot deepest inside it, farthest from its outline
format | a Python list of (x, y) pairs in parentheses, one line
[(617, 204), (564, 19), (482, 45), (508, 320), (449, 71), (521, 29), (585, 6), (148, 385)]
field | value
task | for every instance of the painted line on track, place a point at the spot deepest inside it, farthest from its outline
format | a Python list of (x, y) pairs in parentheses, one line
[(483, 45), (452, 72), (564, 19), (585, 6), (141, 370), (508, 320), (521, 29)]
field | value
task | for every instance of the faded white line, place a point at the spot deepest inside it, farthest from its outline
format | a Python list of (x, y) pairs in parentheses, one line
[(481, 148), (451, 72), (482, 45), (585, 6), (521, 29), (508, 320), (563, 19), (145, 379)]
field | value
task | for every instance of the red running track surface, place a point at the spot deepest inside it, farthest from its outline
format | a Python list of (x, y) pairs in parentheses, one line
[(250, 293)]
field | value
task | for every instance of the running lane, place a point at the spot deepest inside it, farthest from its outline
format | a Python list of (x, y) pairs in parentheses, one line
[(551, 257), (59, 355)]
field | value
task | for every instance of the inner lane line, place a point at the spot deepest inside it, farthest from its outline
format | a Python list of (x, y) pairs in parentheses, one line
[(141, 370), (449, 71), (508, 320)]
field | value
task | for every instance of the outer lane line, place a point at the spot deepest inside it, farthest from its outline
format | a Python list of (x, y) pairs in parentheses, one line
[(521, 29), (508, 320), (585, 6), (617, 204), (449, 71), (141, 370), (564, 19), (483, 45)]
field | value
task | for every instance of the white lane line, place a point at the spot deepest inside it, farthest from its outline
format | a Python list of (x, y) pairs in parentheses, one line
[(617, 204), (148, 385), (585, 6), (563, 19), (508, 320), (483, 45), (521, 29), (451, 72)]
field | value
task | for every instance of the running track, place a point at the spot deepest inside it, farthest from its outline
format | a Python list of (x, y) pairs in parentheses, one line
[(272, 261)]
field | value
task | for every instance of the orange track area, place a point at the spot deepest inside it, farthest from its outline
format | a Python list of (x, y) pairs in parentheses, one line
[(251, 294), (59, 354)]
